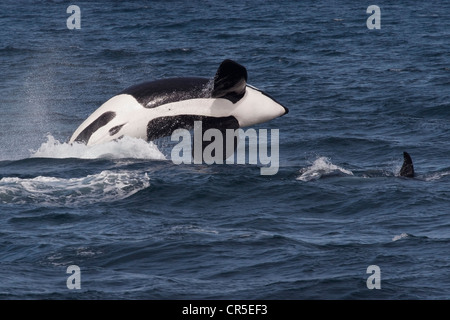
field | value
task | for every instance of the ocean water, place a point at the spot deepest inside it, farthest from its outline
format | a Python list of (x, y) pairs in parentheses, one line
[(140, 227)]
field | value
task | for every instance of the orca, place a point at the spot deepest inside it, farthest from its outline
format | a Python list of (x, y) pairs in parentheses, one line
[(155, 109), (407, 169)]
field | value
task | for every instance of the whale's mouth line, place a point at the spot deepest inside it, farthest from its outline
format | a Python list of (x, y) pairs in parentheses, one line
[(286, 110)]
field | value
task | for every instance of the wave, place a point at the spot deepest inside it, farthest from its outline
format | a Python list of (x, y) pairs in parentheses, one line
[(101, 187), (127, 147), (105, 186), (15, 50), (436, 176), (322, 166), (400, 236)]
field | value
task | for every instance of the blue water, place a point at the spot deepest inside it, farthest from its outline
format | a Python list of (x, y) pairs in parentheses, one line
[(140, 227)]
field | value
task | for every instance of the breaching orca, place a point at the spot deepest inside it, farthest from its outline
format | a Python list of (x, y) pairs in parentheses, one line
[(155, 109), (407, 169)]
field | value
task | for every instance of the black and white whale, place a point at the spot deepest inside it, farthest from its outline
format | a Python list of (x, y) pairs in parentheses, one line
[(152, 110)]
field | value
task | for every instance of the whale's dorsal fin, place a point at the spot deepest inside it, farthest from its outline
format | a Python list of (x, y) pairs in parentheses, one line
[(230, 81), (407, 169)]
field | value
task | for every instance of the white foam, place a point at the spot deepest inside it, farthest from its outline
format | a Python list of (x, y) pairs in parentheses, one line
[(436, 176), (127, 147), (320, 167), (400, 236), (101, 187)]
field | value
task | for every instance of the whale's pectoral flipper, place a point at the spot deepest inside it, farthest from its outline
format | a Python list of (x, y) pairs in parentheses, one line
[(407, 169), (230, 81)]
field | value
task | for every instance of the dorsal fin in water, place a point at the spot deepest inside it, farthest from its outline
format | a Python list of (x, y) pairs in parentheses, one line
[(407, 169)]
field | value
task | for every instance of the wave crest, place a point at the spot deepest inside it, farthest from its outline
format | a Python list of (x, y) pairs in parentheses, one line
[(102, 187)]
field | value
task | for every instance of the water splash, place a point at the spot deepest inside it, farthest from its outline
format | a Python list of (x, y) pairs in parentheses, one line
[(436, 176), (400, 236), (127, 147), (322, 166)]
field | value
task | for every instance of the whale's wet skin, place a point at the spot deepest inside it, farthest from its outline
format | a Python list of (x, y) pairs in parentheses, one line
[(106, 195), (407, 169), (156, 109)]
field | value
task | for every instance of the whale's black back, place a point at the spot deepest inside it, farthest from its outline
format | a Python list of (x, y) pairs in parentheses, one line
[(156, 93)]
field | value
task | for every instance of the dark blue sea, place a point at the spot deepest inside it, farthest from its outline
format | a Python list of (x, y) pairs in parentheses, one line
[(139, 226)]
